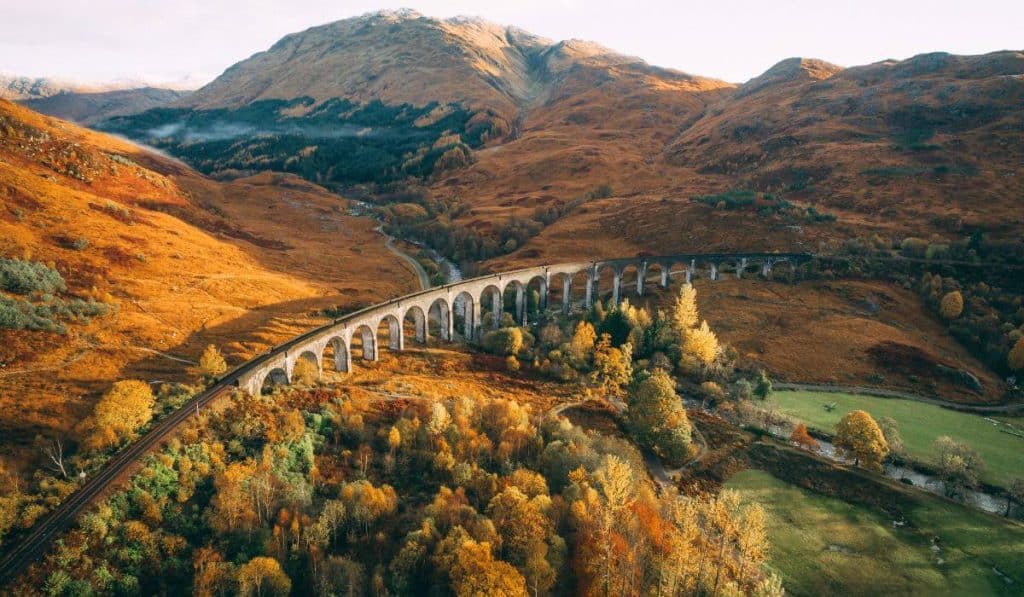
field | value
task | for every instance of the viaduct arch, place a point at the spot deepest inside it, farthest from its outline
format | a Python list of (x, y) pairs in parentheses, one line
[(413, 313)]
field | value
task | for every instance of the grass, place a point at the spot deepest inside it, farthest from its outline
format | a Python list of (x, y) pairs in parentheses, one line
[(825, 546), (919, 425)]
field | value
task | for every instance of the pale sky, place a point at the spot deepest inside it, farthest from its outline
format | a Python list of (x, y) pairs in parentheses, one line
[(192, 41)]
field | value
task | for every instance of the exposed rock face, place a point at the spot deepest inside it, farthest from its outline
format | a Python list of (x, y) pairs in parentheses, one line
[(19, 88)]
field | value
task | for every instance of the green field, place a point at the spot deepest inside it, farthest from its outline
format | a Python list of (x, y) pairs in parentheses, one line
[(919, 425), (825, 546)]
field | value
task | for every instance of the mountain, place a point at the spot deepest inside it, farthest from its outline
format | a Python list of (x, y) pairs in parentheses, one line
[(155, 263), (92, 107), (934, 141), (521, 149), (85, 103), (389, 95), (19, 88)]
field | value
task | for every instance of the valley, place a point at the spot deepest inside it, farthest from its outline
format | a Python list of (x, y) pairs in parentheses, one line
[(404, 305)]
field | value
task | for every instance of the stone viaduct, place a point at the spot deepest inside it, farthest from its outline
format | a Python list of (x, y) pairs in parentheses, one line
[(389, 319)]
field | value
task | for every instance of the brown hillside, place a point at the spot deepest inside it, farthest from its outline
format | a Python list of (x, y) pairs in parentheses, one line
[(932, 142), (184, 260)]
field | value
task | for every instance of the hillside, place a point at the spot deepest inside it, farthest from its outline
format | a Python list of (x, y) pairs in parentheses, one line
[(176, 260), (393, 95), (933, 141), (91, 107), (514, 133)]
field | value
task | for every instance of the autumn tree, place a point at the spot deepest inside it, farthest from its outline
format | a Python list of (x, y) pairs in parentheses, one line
[(232, 507), (213, 575), (701, 343), (524, 530), (803, 438), (126, 407), (211, 363), (475, 573), (613, 367), (658, 419), (952, 305), (581, 347), (859, 437), (959, 465), (684, 311), (366, 503), (891, 430), (263, 576)]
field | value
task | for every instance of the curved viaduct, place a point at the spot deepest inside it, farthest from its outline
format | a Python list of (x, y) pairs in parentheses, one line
[(416, 309), (469, 297)]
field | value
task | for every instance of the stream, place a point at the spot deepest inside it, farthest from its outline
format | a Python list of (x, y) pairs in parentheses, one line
[(930, 483), (980, 500)]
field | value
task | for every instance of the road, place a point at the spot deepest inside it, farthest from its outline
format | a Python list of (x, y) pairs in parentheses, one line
[(420, 272)]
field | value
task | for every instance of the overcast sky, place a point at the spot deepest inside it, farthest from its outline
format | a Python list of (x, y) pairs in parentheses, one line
[(192, 41)]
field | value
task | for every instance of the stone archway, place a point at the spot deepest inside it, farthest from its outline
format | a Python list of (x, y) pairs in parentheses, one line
[(274, 378), (513, 298), (390, 325), (418, 318), (439, 319), (491, 300), (367, 342), (467, 313)]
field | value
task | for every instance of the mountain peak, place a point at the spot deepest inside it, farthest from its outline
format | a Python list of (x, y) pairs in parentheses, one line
[(791, 70)]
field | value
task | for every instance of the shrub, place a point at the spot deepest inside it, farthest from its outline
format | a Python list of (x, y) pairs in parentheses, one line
[(512, 363), (504, 341), (24, 277), (305, 372)]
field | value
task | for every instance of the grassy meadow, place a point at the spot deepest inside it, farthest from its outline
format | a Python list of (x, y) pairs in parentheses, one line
[(825, 546), (919, 425)]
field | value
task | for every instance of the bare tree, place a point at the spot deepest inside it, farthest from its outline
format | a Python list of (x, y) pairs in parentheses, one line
[(54, 451)]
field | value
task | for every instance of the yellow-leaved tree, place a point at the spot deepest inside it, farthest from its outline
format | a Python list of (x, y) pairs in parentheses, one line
[(211, 363), (952, 305), (859, 437), (581, 347), (263, 576), (120, 413), (701, 343), (475, 572), (613, 367), (684, 311)]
